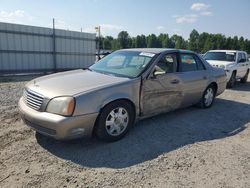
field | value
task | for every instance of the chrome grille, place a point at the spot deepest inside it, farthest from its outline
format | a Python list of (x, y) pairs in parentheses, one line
[(32, 99)]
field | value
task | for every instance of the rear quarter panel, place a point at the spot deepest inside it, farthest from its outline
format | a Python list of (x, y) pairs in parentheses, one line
[(219, 76)]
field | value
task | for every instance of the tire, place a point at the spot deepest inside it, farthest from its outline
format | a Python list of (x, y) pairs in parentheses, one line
[(114, 121), (244, 79), (208, 96), (231, 82)]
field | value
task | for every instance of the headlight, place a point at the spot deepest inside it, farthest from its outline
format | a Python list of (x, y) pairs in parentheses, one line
[(62, 106), (222, 66)]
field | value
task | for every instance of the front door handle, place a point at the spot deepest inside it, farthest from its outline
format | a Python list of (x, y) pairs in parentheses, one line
[(175, 81), (204, 77)]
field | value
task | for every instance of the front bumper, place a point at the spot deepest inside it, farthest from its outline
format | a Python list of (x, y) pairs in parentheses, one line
[(56, 126)]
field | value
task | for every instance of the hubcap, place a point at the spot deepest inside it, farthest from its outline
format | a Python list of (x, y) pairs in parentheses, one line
[(117, 121), (209, 96)]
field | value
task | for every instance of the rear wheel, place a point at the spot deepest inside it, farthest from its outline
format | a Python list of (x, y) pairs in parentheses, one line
[(244, 79), (114, 121), (208, 97), (232, 80)]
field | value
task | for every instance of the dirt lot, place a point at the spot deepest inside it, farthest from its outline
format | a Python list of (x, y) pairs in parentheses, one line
[(187, 148)]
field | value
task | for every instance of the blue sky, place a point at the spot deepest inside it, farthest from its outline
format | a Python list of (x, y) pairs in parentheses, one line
[(229, 17)]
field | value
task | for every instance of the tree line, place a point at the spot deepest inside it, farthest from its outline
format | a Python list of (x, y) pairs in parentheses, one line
[(198, 42)]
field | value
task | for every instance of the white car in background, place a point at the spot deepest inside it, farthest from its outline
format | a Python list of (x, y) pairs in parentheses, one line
[(235, 63)]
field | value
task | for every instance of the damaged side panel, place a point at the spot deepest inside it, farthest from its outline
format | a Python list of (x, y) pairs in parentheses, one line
[(160, 95)]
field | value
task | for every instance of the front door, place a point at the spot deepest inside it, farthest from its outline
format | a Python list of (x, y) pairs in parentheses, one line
[(162, 90)]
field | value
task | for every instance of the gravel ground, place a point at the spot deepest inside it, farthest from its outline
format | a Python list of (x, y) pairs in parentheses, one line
[(191, 147)]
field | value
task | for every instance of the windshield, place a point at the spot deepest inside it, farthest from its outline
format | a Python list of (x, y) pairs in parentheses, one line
[(123, 63), (220, 56)]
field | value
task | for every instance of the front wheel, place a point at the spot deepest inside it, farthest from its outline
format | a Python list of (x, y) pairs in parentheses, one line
[(232, 80), (114, 121), (244, 79), (208, 97)]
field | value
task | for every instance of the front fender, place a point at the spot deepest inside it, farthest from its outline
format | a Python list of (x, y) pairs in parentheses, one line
[(94, 101), (116, 96)]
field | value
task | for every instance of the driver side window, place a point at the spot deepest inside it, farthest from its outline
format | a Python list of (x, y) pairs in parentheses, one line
[(167, 64)]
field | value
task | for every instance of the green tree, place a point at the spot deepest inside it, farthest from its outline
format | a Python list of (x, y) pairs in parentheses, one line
[(115, 44), (229, 43), (202, 41), (241, 43), (178, 42), (138, 41), (152, 41), (235, 43), (196, 42), (143, 41), (193, 41), (123, 39), (107, 43)]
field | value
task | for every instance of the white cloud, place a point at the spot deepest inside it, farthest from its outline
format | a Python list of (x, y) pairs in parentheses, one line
[(89, 30), (160, 27), (191, 18), (199, 6), (16, 16), (206, 13), (9, 16), (60, 24), (110, 27), (106, 29)]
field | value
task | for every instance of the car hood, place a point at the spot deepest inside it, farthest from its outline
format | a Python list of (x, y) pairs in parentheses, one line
[(71, 83), (214, 62)]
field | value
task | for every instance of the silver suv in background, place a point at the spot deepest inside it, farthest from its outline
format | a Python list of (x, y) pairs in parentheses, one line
[(235, 63)]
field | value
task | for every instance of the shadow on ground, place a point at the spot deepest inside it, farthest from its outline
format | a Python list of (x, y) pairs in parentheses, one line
[(242, 86), (155, 136)]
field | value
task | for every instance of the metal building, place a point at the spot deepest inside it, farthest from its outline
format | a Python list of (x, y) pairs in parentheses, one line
[(26, 49)]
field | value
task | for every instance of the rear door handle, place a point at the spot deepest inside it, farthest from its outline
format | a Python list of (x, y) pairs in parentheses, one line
[(204, 77), (175, 81)]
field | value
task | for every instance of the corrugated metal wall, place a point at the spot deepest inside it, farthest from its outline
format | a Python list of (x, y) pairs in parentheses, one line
[(31, 49)]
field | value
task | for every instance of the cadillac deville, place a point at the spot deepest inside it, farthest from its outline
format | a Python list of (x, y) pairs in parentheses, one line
[(106, 99)]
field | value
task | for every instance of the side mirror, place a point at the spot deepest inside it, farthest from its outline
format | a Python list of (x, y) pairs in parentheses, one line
[(153, 74)]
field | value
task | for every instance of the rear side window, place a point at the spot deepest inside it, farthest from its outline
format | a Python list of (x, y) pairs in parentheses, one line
[(190, 62), (200, 65)]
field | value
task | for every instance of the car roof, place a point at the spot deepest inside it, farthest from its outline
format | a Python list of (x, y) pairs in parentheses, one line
[(232, 51), (156, 50)]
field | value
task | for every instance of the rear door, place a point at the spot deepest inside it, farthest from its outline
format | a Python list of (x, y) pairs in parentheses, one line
[(194, 78)]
